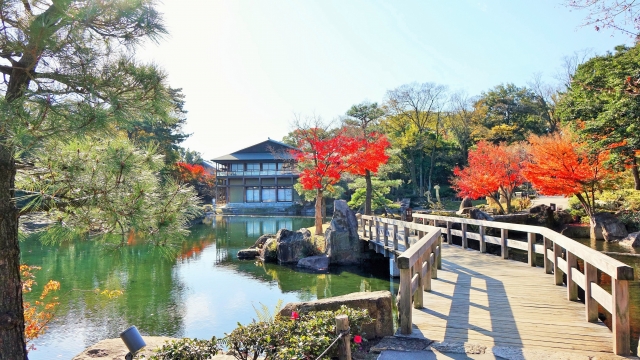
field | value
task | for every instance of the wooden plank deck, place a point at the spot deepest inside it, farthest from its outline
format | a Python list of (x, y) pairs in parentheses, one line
[(483, 299)]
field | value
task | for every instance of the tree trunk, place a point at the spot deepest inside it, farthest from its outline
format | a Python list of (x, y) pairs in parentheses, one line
[(12, 344), (636, 174), (367, 200), (319, 202)]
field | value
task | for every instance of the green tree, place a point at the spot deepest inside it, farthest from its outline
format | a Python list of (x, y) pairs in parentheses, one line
[(163, 129), (68, 70), (512, 113), (380, 189), (603, 104), (414, 125), (363, 119)]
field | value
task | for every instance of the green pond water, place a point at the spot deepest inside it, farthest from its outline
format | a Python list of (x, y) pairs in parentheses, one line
[(206, 291), (203, 293)]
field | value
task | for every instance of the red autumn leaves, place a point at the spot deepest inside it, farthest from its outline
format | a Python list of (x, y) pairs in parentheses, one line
[(555, 164), (324, 159)]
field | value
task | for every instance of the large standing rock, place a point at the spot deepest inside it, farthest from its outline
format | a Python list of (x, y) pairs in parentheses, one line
[(293, 245), (317, 263), (466, 203), (605, 226), (632, 240), (342, 243), (478, 214), (377, 303), (269, 251), (262, 240)]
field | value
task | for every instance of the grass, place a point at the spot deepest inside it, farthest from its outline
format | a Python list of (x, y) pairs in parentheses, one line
[(455, 205), (318, 240)]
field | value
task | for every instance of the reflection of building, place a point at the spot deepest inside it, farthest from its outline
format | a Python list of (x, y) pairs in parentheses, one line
[(260, 177)]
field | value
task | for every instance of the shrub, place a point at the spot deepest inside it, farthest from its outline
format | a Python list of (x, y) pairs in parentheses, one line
[(303, 338), (631, 219), (187, 349)]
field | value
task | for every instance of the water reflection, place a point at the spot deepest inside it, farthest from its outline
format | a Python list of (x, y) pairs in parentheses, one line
[(204, 292)]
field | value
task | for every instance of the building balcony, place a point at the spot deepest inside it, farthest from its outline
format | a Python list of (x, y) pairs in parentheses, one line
[(257, 173)]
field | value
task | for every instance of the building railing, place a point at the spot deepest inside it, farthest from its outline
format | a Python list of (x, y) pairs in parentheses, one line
[(256, 173), (561, 256), (418, 262)]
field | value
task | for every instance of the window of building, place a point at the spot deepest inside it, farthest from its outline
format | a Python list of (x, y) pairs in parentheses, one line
[(253, 194), (268, 166), (237, 167), (253, 167), (268, 194), (285, 193)]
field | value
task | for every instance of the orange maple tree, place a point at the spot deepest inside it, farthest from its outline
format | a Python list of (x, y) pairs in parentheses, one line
[(197, 176), (323, 159), (561, 164), (37, 314), (493, 170)]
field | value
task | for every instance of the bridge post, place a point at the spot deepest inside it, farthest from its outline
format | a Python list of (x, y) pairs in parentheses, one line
[(376, 224), (395, 237), (483, 243), (572, 287), (531, 242), (590, 304), (557, 273), (449, 232), (426, 280), (394, 271), (404, 303), (385, 229), (548, 265), (406, 238), (439, 255), (464, 235), (504, 233), (620, 319), (369, 222), (417, 295)]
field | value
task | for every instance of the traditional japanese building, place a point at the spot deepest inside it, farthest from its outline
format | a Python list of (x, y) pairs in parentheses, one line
[(259, 176)]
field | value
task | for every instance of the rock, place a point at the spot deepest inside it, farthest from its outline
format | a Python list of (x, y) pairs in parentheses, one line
[(466, 203), (537, 209), (605, 226), (262, 240), (632, 240), (269, 251), (116, 349), (400, 344), (377, 303), (293, 245), (512, 218), (342, 243), (478, 214), (317, 263), (576, 231), (248, 254)]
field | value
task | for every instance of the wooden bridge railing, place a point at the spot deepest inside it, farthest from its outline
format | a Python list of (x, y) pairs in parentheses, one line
[(418, 263), (552, 248)]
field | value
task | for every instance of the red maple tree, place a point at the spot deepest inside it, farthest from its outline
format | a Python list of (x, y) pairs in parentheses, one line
[(493, 170), (561, 164), (324, 158), (197, 176)]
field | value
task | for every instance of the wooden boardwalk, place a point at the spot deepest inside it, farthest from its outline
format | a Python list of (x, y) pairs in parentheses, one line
[(454, 294), (482, 299)]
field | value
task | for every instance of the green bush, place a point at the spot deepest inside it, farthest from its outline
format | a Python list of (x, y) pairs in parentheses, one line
[(631, 219), (303, 338), (187, 349)]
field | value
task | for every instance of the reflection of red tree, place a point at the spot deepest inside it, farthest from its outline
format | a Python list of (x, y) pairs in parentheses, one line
[(191, 250)]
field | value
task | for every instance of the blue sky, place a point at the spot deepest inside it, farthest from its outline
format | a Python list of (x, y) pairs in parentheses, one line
[(246, 67)]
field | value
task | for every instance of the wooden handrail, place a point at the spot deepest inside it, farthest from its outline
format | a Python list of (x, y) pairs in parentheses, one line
[(418, 263), (616, 302)]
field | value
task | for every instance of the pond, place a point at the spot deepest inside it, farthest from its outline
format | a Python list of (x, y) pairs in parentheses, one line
[(205, 292)]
